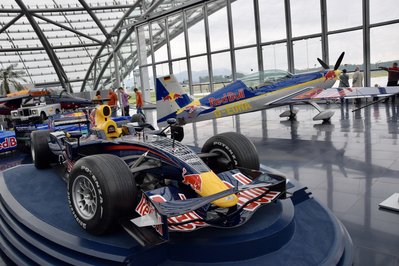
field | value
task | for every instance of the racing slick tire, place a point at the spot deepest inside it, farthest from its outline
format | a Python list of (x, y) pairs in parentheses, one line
[(41, 154), (101, 190), (236, 151)]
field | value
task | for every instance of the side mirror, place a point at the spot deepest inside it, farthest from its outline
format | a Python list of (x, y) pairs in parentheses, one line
[(177, 133), (171, 121)]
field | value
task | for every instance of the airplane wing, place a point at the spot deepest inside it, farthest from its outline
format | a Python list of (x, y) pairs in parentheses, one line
[(14, 98), (310, 94)]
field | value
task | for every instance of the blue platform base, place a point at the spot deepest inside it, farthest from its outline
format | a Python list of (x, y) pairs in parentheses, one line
[(37, 227)]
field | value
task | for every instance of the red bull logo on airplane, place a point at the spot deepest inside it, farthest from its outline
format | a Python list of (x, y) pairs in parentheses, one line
[(172, 97), (330, 75), (227, 98)]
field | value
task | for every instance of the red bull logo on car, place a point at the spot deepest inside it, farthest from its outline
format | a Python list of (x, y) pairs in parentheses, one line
[(194, 181), (172, 97), (8, 143)]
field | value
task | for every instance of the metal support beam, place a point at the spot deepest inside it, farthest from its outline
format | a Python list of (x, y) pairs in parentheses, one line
[(10, 23), (67, 28), (290, 48), (231, 40), (50, 52), (106, 42), (154, 68), (67, 9), (258, 37), (94, 17), (208, 49), (187, 43), (366, 41), (24, 49), (324, 30), (166, 30)]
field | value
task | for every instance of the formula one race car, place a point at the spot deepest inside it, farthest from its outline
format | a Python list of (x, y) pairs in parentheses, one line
[(152, 184)]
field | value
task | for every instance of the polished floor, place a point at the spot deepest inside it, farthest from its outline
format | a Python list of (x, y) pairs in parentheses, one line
[(350, 165)]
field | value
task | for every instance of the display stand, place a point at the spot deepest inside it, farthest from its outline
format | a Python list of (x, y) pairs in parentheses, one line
[(37, 227)]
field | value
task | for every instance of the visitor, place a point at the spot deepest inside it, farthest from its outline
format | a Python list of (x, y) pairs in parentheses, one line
[(344, 79), (98, 95), (113, 100), (139, 102), (393, 74), (357, 79), (125, 101)]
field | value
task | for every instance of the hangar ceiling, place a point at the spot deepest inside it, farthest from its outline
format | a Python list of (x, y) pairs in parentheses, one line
[(72, 43)]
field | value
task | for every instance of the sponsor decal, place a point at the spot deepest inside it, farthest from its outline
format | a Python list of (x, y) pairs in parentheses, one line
[(193, 180), (9, 142), (144, 208), (330, 75), (190, 108), (172, 97), (249, 194), (111, 129), (232, 109), (227, 98)]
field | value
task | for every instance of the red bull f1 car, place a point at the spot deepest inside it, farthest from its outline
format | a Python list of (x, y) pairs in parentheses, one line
[(152, 184)]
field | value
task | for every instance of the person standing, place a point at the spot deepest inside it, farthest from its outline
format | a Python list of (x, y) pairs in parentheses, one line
[(393, 74), (139, 102), (357, 78), (113, 100), (344, 79), (125, 101)]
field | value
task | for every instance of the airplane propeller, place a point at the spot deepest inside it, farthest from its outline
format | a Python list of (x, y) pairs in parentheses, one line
[(337, 64)]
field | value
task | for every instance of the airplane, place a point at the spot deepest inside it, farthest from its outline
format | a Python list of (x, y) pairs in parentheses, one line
[(14, 100), (262, 90)]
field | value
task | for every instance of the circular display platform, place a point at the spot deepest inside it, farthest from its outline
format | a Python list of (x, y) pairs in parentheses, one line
[(37, 227)]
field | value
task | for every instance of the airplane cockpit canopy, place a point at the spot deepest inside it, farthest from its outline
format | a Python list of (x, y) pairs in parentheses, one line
[(267, 77)]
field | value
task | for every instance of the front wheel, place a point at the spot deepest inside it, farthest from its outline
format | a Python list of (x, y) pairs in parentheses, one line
[(101, 189), (234, 150), (42, 156)]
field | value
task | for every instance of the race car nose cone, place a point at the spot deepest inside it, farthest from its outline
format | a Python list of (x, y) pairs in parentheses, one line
[(206, 184)]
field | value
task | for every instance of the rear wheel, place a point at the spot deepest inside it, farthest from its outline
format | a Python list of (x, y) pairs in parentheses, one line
[(41, 154), (101, 190), (234, 150)]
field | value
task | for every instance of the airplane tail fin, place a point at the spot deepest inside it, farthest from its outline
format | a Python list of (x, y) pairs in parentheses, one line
[(170, 97)]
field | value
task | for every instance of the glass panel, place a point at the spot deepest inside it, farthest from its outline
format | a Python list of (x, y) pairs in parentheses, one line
[(344, 14), (272, 20), (306, 53), (196, 31), (246, 62), (383, 51), (159, 41), (180, 71), (162, 69), (383, 10), (199, 67), (337, 43), (218, 26), (221, 69), (242, 12), (305, 17), (176, 36), (275, 57)]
